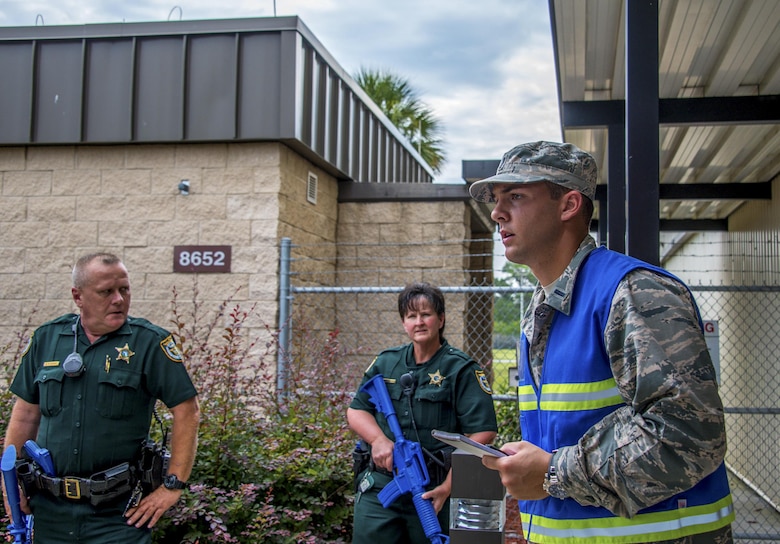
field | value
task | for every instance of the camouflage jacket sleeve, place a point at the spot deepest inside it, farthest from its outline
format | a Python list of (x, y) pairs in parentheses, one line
[(671, 432)]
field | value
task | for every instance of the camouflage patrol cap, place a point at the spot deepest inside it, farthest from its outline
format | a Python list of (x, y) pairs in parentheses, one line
[(564, 164)]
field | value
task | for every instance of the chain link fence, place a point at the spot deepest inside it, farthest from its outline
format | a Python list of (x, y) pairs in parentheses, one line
[(483, 319), (744, 337)]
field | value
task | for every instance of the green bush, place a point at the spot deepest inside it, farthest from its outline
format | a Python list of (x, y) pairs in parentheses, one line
[(272, 466), (508, 418)]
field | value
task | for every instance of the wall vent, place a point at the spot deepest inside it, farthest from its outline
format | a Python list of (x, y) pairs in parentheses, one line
[(311, 188)]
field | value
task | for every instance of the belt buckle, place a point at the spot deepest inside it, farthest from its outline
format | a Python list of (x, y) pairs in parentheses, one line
[(72, 488)]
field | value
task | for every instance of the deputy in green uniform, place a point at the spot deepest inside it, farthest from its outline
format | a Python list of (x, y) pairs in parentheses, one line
[(433, 386), (86, 389)]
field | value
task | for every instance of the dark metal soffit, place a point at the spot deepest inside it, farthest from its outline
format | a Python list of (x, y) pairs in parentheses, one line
[(402, 192), (718, 97)]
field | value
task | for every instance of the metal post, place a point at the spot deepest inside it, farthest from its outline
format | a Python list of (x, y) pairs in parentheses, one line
[(642, 132), (285, 321), (616, 189)]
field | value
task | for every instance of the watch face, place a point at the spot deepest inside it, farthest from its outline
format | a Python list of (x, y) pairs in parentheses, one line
[(172, 482), (552, 486), (556, 491)]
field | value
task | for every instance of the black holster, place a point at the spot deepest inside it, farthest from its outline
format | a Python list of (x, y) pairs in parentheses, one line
[(439, 465), (26, 475), (360, 460), (152, 466)]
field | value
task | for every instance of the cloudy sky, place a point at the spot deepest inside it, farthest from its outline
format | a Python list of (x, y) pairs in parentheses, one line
[(485, 67)]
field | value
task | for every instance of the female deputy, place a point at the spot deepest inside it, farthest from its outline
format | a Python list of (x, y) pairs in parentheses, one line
[(432, 386)]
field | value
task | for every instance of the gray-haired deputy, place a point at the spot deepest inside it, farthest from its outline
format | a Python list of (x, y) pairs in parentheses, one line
[(94, 417)]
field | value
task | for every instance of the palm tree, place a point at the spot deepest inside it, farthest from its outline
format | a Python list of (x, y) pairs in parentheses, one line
[(399, 102)]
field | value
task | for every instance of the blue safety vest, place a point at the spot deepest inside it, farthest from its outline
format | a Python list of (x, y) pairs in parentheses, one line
[(578, 390)]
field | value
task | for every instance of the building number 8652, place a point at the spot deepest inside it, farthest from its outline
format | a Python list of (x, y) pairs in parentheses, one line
[(202, 258)]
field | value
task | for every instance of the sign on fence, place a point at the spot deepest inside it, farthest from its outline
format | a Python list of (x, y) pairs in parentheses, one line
[(712, 338)]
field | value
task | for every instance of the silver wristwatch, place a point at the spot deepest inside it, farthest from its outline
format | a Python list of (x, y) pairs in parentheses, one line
[(551, 484)]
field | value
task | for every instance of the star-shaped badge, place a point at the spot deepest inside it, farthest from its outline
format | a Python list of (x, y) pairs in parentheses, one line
[(436, 378), (124, 353)]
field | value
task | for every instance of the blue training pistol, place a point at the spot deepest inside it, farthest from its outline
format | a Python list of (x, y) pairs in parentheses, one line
[(41, 456), (409, 469)]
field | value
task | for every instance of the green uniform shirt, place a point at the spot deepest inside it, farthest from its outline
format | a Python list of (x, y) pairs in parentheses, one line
[(451, 394), (99, 419)]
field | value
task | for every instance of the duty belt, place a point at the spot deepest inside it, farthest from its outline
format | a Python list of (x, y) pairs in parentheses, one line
[(380, 470), (99, 488), (437, 469)]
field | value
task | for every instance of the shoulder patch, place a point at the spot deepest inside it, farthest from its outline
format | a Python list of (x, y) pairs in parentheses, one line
[(483, 381), (171, 349), (29, 343)]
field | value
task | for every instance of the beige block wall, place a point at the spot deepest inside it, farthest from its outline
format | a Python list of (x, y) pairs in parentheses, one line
[(57, 203), (390, 244)]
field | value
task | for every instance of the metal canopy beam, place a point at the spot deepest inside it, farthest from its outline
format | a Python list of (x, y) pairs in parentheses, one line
[(722, 110), (476, 170), (707, 191), (681, 225)]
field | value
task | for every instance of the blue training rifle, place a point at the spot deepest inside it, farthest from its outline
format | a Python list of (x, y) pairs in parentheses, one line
[(21, 524), (411, 474)]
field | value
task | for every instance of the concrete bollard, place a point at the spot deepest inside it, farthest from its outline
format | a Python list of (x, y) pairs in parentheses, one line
[(477, 502)]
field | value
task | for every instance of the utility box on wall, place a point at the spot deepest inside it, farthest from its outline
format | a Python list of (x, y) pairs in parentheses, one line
[(477, 502)]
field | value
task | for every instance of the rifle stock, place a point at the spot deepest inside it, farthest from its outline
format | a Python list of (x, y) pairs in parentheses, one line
[(410, 472), (19, 526)]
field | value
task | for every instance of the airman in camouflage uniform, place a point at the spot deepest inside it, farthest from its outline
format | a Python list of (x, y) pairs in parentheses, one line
[(664, 435)]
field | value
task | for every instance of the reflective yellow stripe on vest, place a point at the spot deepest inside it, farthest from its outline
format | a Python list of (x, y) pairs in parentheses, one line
[(657, 526), (567, 397), (526, 397)]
